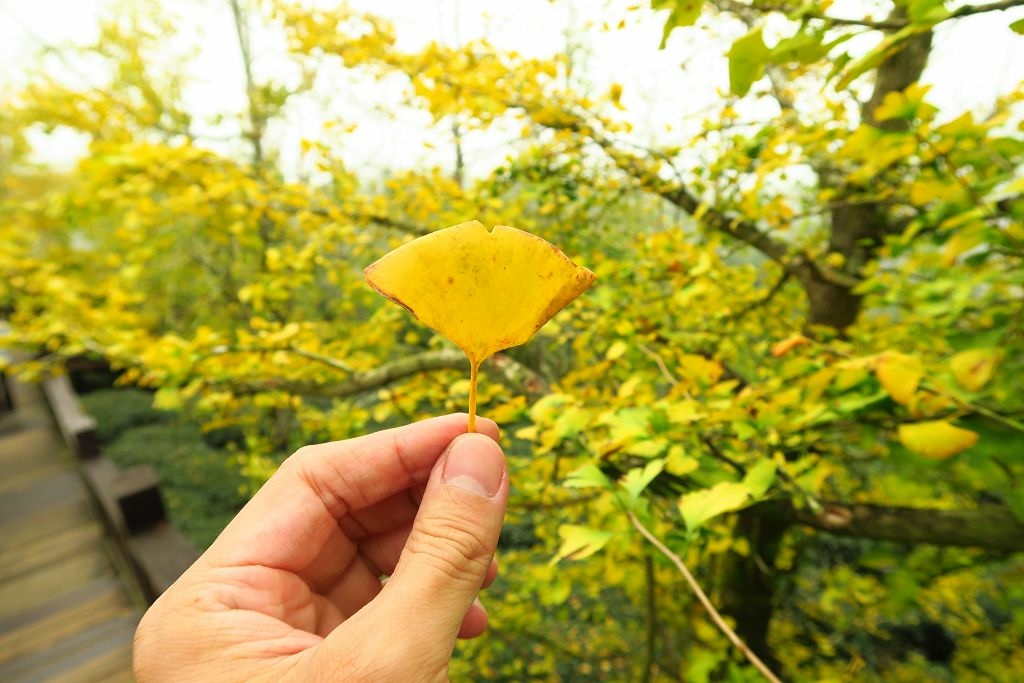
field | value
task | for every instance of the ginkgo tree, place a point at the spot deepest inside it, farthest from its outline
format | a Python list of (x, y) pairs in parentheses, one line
[(806, 324)]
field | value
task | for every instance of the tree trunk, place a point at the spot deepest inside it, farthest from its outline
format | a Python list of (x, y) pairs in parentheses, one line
[(830, 304), (857, 229), (749, 587)]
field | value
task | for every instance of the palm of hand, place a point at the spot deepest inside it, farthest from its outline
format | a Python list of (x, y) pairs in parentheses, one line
[(302, 560)]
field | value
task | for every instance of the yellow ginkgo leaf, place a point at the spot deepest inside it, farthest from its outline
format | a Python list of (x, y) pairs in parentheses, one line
[(974, 368), (936, 439), (485, 290), (899, 374)]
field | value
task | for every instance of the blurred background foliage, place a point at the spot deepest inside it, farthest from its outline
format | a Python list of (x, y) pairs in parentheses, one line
[(800, 366)]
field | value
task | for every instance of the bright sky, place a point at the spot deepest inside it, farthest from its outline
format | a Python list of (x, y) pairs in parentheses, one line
[(974, 59)]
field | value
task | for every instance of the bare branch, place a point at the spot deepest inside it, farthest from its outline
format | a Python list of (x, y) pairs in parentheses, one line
[(446, 359), (890, 24), (257, 121), (968, 10), (991, 527), (320, 358), (514, 375), (704, 601)]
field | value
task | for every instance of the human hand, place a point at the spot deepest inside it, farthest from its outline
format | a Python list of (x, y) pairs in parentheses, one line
[(292, 591)]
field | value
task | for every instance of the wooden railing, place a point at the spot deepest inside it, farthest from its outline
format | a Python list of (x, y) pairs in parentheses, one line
[(129, 499)]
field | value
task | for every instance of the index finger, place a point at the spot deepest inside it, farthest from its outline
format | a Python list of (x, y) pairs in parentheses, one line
[(287, 523)]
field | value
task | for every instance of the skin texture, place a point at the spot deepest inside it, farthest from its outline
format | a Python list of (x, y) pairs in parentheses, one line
[(292, 591)]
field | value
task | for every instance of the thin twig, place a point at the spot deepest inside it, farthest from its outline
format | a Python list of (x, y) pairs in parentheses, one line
[(704, 601), (653, 355), (879, 25), (320, 358)]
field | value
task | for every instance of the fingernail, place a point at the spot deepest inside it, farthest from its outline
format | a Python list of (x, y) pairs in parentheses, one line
[(474, 463)]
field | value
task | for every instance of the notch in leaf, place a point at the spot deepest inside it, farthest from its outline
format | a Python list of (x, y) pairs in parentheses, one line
[(485, 290)]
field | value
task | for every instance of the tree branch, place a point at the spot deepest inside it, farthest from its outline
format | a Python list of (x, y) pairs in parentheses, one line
[(990, 527), (680, 195), (257, 121), (355, 217), (889, 24), (968, 10), (704, 601), (387, 222), (514, 375)]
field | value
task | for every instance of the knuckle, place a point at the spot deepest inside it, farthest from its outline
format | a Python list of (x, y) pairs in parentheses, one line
[(453, 545), (308, 466), (297, 459)]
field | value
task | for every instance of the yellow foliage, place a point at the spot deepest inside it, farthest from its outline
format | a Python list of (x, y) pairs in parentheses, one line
[(936, 439)]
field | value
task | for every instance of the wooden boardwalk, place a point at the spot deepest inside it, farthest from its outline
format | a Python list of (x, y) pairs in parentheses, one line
[(69, 603)]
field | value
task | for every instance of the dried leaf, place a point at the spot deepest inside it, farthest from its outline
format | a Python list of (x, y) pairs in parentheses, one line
[(485, 290), (781, 348)]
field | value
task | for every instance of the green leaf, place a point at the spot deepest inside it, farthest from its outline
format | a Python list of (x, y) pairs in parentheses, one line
[(927, 11), (903, 590), (700, 506), (682, 13), (747, 59), (887, 47), (905, 105), (855, 402), (1015, 501), (803, 47), (638, 479), (587, 476), (1018, 26), (760, 478), (579, 542), (167, 398), (647, 449)]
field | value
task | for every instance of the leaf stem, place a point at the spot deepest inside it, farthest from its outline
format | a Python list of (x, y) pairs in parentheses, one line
[(473, 368), (705, 601)]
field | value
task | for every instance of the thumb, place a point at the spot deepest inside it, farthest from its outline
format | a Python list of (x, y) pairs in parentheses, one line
[(450, 547)]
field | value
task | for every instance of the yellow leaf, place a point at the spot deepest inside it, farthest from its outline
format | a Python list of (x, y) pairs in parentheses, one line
[(679, 463), (485, 290), (628, 388), (937, 439), (704, 371), (974, 368), (684, 412), (700, 506), (579, 542), (899, 374), (509, 411), (616, 350), (927, 405)]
